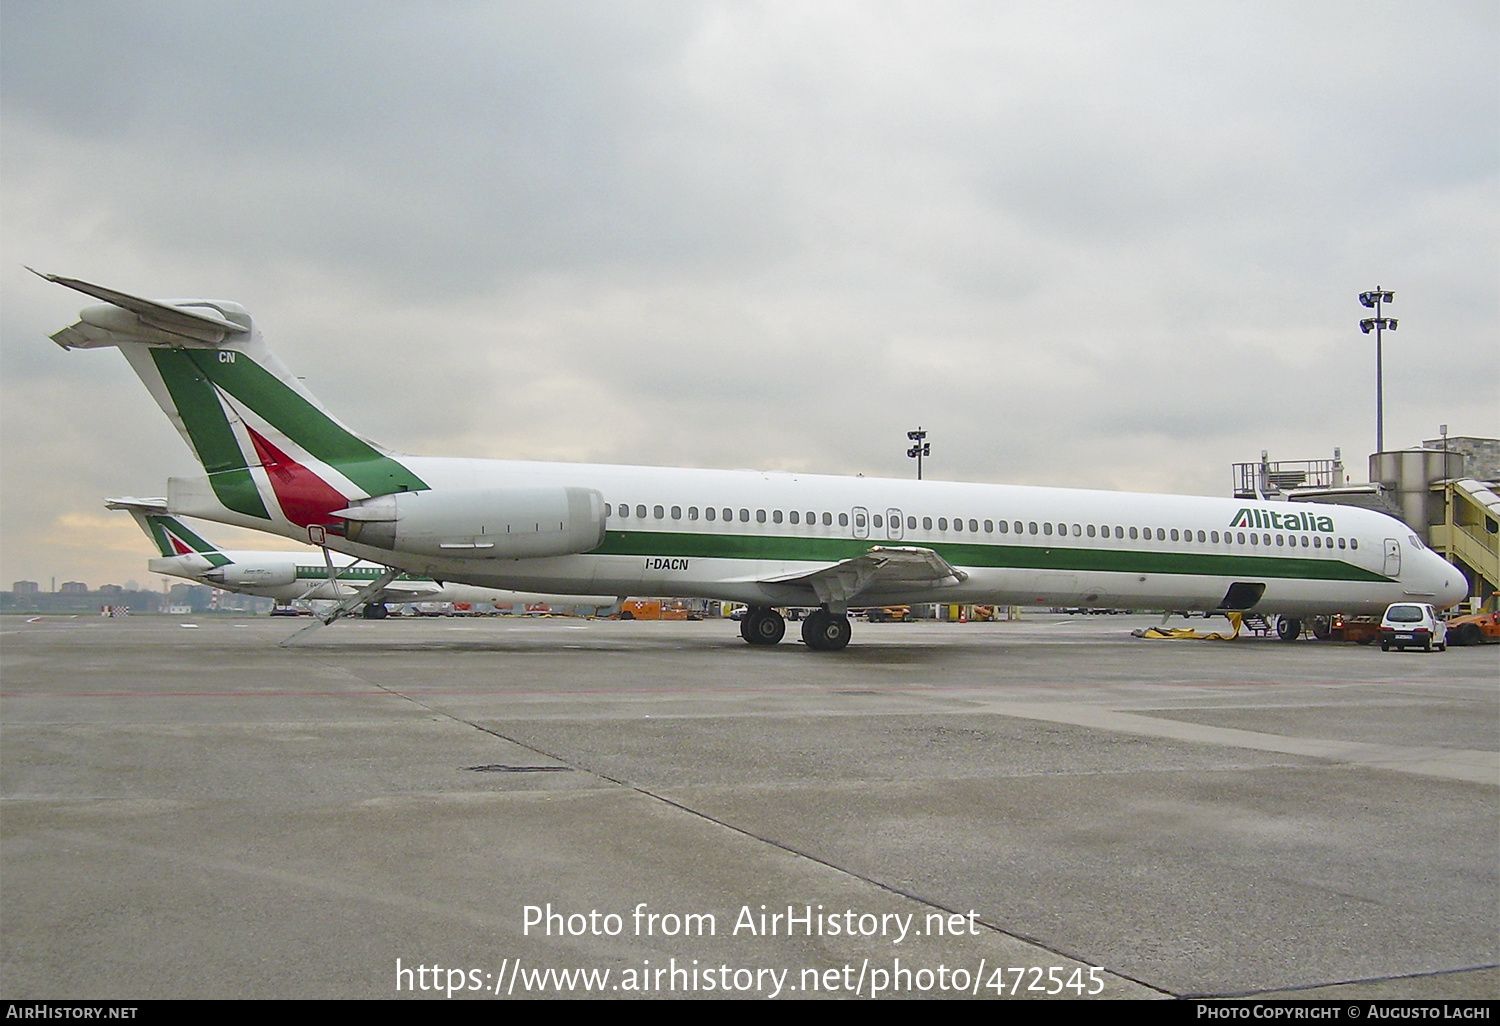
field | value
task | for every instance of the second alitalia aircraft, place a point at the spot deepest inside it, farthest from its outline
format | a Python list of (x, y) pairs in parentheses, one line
[(295, 576), (277, 460)]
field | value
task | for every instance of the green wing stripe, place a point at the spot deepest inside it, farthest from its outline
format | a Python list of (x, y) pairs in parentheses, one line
[(1011, 557), (197, 402), (305, 424)]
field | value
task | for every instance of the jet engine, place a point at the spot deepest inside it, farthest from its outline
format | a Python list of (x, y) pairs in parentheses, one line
[(252, 575), (514, 523)]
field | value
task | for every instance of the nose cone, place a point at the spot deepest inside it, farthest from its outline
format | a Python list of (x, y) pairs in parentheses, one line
[(1451, 586)]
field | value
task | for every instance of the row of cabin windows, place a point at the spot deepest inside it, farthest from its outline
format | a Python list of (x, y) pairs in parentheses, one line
[(713, 513), (1045, 528)]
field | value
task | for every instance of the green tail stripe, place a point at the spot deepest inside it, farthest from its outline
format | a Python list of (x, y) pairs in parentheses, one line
[(197, 402), (163, 543), (305, 424), (159, 527), (1009, 557)]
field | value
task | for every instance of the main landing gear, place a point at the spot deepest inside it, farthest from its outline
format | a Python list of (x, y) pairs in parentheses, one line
[(822, 631), (762, 626)]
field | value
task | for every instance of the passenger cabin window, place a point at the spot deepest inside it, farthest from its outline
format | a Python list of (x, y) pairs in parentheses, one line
[(744, 516), (911, 523), (676, 512), (828, 519), (640, 512), (1132, 533), (795, 517), (1031, 527), (843, 519), (659, 513), (926, 523), (1004, 527), (942, 523), (876, 519), (760, 516), (692, 512), (1047, 527), (989, 527)]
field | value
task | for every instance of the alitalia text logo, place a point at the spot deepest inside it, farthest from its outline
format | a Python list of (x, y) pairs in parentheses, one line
[(1277, 521)]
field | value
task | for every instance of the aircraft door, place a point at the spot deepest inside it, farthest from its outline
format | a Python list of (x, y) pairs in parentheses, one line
[(861, 522), (1392, 558), (893, 524)]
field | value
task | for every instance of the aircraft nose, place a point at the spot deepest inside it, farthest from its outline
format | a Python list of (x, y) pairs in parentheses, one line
[(1453, 588)]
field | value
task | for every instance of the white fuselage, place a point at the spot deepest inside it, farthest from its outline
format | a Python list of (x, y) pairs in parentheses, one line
[(294, 576), (1057, 546)]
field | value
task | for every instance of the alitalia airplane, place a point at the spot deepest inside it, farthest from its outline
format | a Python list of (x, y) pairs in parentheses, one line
[(275, 459), (295, 576)]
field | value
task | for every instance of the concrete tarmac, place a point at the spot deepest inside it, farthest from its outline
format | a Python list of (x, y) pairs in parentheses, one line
[(509, 807)]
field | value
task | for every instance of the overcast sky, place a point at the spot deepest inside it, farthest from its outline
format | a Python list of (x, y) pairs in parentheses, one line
[(1089, 244)]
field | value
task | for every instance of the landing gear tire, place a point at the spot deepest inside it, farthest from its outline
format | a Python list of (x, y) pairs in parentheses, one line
[(822, 631), (375, 611), (762, 626), (1321, 628), (1288, 628)]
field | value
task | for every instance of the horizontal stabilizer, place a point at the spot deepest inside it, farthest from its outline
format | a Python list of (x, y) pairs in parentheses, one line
[(151, 507), (193, 319)]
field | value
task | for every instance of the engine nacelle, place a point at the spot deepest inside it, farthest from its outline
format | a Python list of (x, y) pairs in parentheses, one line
[(513, 523), (253, 575)]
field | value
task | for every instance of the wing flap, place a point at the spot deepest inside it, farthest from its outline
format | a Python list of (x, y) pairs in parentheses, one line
[(882, 569)]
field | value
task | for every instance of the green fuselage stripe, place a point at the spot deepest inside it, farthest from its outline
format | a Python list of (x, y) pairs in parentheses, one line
[(197, 402), (963, 554), (320, 573), (305, 424)]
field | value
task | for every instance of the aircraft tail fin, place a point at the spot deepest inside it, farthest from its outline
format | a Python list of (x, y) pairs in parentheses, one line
[(171, 536), (274, 455)]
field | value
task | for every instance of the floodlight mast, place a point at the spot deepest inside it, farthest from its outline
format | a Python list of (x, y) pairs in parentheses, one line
[(1373, 300), (920, 449)]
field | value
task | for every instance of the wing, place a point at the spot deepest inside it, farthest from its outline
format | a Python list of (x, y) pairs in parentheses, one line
[(409, 591), (882, 570)]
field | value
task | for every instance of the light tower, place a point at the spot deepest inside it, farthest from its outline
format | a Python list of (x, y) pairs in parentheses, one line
[(1373, 300), (920, 449)]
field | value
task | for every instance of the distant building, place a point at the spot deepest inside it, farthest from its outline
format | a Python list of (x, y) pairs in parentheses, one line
[(111, 589), (73, 588), (1481, 455), (25, 588)]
